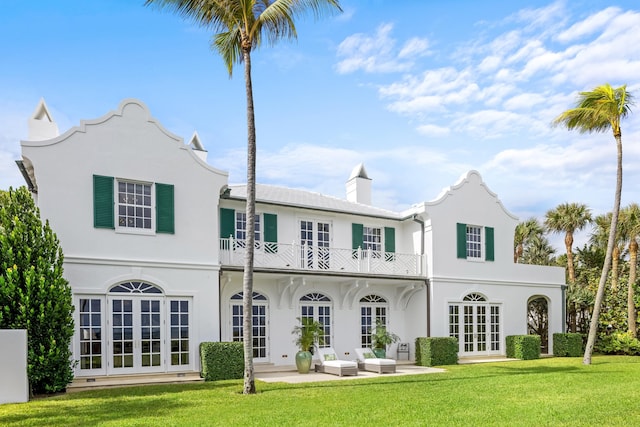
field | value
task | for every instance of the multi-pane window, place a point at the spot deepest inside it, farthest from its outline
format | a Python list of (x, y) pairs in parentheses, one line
[(372, 239), (317, 307), (474, 241), (241, 228), (495, 328), (134, 205), (259, 322), (122, 333), (454, 321), (90, 334), (179, 314), (150, 344), (315, 240), (372, 308)]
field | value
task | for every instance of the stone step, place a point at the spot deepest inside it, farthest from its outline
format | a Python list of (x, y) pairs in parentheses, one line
[(97, 382)]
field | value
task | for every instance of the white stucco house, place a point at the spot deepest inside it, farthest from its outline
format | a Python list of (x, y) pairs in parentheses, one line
[(153, 238)]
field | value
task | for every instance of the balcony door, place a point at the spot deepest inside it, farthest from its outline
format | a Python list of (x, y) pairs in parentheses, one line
[(315, 238)]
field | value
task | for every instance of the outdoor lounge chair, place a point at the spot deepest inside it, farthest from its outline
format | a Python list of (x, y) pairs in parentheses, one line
[(368, 361), (330, 364)]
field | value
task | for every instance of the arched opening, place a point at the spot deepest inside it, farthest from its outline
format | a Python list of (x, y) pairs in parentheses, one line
[(538, 321), (372, 307), (317, 307), (260, 308)]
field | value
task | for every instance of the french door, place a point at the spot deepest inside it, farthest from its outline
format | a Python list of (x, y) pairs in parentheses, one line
[(315, 238), (136, 333), (477, 328), (259, 321)]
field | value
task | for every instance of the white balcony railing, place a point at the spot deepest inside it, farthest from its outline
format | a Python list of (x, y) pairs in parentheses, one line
[(303, 257)]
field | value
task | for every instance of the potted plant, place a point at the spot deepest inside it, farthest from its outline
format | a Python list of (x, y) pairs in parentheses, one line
[(381, 338), (307, 333)]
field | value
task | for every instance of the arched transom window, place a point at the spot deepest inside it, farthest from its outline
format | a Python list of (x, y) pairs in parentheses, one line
[(372, 307), (474, 297), (317, 306), (259, 322), (136, 288)]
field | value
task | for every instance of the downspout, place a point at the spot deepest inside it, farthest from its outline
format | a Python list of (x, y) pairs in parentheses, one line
[(563, 289), (219, 306), (419, 220)]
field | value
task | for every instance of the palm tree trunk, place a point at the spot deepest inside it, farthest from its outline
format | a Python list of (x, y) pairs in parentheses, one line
[(615, 265), (595, 318), (247, 281), (568, 242), (631, 304)]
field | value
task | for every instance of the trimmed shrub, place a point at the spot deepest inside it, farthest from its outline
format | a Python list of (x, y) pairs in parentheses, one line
[(567, 345), (436, 351), (222, 360), (525, 347)]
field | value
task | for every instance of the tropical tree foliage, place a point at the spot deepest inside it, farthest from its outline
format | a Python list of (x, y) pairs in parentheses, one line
[(240, 27), (33, 294), (600, 110), (631, 227), (568, 218)]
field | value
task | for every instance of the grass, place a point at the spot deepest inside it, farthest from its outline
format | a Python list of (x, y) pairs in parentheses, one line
[(553, 391)]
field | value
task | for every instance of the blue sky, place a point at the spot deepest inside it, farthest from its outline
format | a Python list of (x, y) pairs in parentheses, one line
[(419, 91)]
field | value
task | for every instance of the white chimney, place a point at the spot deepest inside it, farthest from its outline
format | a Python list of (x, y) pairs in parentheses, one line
[(359, 186), (41, 124), (197, 147)]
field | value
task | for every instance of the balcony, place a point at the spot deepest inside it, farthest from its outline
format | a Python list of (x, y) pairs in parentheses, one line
[(297, 257)]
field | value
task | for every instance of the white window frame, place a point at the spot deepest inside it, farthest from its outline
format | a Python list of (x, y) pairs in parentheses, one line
[(241, 218), (474, 237), (151, 207), (369, 235)]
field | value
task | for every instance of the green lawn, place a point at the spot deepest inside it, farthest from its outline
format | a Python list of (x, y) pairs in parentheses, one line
[(546, 392)]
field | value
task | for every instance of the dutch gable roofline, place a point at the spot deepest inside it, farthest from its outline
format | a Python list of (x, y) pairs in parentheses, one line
[(132, 109), (467, 178)]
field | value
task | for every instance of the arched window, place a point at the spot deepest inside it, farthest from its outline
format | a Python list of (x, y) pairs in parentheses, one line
[(135, 288), (317, 307), (474, 297), (259, 321), (372, 307)]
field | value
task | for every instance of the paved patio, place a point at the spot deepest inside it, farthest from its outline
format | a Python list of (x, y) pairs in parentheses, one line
[(291, 376), (288, 374)]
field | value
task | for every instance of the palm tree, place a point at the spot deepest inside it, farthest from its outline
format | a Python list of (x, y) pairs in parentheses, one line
[(568, 218), (600, 236), (539, 251), (599, 110), (240, 26), (630, 217), (525, 232)]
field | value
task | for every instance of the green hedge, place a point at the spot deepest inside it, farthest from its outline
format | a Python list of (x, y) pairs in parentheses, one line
[(222, 360), (436, 351), (525, 347), (567, 345)]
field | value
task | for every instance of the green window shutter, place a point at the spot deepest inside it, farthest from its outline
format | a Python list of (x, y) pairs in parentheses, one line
[(389, 243), (227, 223), (270, 233), (462, 240), (103, 209), (488, 242), (389, 239), (357, 233), (164, 209)]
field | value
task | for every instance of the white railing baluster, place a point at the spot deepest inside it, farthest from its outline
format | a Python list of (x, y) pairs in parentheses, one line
[(302, 256)]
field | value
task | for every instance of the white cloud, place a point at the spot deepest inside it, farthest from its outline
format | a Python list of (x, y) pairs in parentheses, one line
[(434, 130), (593, 23), (378, 53)]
